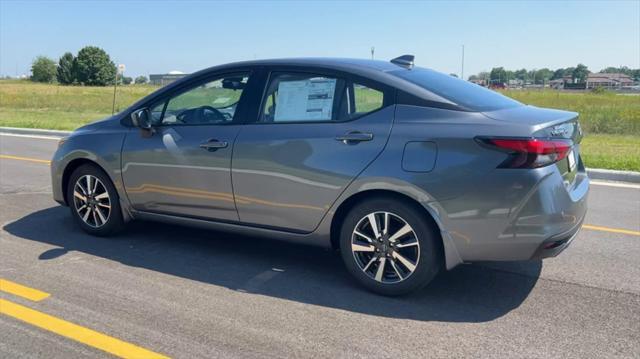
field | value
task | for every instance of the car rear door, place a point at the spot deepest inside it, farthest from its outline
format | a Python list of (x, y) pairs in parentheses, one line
[(315, 131), (183, 167)]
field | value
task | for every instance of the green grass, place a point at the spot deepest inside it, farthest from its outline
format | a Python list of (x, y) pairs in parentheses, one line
[(599, 113), (616, 152), (611, 122), (33, 105)]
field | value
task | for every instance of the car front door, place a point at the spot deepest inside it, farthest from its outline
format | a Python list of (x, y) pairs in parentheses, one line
[(182, 167), (314, 133)]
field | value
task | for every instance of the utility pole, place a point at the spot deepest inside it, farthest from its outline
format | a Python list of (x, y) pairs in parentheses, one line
[(115, 86), (534, 77), (119, 71), (462, 67)]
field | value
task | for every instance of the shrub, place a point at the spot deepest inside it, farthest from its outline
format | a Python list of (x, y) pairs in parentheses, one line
[(94, 67), (66, 69), (43, 69), (124, 80), (141, 80)]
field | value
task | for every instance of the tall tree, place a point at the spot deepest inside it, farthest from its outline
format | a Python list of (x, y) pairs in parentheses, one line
[(610, 70), (94, 67), (544, 75), (569, 72), (141, 79), (618, 70), (66, 69), (558, 74), (43, 69), (510, 76), (498, 74), (580, 73), (521, 74)]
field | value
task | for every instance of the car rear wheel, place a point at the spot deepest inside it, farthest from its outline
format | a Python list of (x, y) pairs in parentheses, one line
[(93, 201), (389, 247)]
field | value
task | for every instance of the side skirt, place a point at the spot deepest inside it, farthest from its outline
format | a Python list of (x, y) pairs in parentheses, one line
[(242, 229)]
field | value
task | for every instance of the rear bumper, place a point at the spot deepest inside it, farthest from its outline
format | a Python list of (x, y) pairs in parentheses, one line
[(518, 215), (558, 243)]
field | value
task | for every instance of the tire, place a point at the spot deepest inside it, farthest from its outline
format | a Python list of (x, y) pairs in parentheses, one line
[(411, 259), (101, 215)]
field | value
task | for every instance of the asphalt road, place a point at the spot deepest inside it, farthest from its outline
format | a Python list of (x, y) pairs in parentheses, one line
[(190, 293)]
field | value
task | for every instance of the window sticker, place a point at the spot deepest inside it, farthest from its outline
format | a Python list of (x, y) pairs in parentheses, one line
[(304, 100)]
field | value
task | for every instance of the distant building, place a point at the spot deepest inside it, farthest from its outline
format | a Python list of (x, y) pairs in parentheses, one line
[(616, 80), (515, 83), (481, 82), (559, 83), (165, 79)]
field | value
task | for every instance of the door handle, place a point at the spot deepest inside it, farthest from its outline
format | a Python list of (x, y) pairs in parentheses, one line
[(354, 136), (213, 144)]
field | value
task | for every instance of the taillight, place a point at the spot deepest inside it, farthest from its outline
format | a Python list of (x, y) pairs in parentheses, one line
[(529, 152)]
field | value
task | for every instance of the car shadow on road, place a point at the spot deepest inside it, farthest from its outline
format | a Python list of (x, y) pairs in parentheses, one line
[(469, 293)]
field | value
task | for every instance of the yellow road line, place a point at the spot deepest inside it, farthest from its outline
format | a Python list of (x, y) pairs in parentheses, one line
[(22, 291), (76, 332), (9, 157), (613, 230)]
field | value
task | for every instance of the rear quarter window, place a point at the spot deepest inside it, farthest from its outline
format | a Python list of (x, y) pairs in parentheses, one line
[(463, 93)]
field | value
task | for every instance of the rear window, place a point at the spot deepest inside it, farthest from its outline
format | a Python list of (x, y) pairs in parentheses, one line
[(463, 93)]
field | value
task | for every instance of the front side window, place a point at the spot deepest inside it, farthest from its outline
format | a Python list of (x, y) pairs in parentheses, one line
[(214, 102), (296, 97)]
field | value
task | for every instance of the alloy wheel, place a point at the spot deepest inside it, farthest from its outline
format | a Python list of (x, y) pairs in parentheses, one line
[(91, 200), (385, 247)]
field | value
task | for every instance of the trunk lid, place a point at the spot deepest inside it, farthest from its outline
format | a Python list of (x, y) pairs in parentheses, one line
[(542, 121), (548, 124)]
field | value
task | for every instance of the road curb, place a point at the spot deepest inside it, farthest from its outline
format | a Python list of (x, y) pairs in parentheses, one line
[(33, 131), (613, 175), (594, 173)]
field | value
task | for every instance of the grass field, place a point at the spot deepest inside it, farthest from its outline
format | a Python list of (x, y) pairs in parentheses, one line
[(611, 122), (617, 152), (599, 113), (32, 105)]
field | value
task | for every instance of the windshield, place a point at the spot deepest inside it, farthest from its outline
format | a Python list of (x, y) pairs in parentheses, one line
[(463, 93)]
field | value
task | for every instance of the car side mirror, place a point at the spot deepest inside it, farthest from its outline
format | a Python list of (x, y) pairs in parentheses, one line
[(141, 119)]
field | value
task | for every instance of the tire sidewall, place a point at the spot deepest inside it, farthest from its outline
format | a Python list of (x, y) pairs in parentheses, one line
[(429, 262), (115, 221)]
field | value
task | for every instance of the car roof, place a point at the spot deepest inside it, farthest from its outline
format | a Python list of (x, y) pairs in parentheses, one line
[(346, 64), (381, 71), (373, 69)]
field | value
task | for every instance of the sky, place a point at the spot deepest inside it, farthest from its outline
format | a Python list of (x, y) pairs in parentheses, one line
[(161, 36)]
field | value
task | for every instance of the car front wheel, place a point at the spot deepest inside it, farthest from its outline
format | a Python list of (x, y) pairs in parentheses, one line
[(389, 247), (93, 201)]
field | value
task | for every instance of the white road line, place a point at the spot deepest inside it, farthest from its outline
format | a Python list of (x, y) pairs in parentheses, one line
[(615, 184), (55, 138)]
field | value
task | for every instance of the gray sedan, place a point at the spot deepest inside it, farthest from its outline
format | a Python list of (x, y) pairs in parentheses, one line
[(404, 170)]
